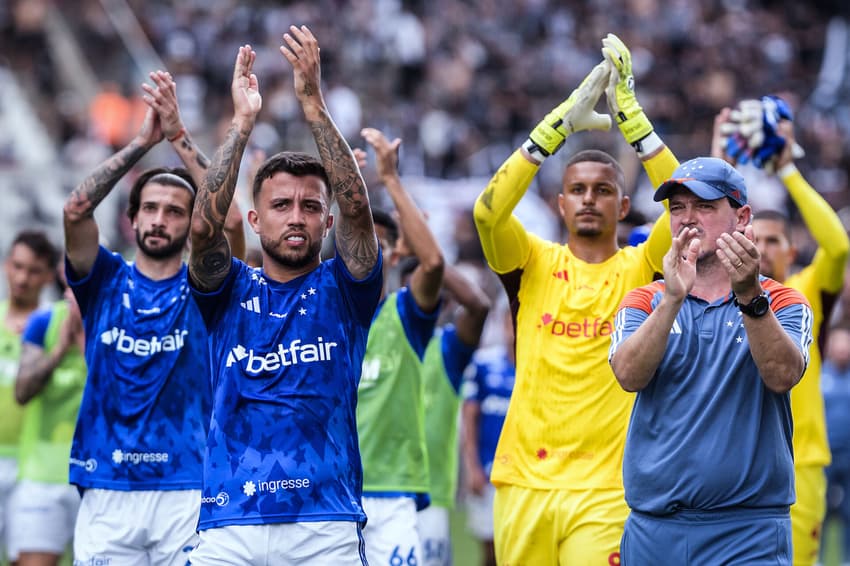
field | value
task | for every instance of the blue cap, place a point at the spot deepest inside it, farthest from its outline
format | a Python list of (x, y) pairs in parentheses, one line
[(708, 178)]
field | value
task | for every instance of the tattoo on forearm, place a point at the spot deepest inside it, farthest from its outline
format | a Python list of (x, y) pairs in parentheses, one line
[(36, 368), (342, 170), (355, 237), (210, 258), (209, 269), (85, 198)]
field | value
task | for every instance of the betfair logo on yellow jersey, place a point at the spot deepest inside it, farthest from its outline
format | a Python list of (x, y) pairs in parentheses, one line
[(585, 328)]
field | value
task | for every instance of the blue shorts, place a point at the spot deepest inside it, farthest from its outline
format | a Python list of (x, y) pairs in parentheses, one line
[(731, 536)]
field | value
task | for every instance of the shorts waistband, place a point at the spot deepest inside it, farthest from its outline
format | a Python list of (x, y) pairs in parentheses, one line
[(724, 514)]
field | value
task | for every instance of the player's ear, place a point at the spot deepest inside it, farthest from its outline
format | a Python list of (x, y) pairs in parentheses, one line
[(328, 225), (254, 221), (625, 206)]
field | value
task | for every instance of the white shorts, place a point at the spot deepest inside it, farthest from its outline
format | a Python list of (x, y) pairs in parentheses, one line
[(435, 536), (479, 513), (8, 479), (44, 517), (321, 543), (136, 528), (391, 533)]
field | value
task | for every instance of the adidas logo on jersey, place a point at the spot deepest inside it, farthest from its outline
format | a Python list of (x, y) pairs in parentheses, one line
[(127, 344), (297, 352), (676, 328), (251, 305)]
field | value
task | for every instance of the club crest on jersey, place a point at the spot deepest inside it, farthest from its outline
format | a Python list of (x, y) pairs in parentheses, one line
[(297, 352)]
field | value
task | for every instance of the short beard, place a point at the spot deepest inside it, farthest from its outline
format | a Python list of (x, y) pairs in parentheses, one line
[(174, 248), (588, 232), (291, 261)]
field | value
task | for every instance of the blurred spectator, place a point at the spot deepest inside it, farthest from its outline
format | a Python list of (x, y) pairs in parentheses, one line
[(835, 383)]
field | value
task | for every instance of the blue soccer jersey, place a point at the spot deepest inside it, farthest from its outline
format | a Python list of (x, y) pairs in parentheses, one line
[(286, 361), (489, 381), (143, 419), (706, 433)]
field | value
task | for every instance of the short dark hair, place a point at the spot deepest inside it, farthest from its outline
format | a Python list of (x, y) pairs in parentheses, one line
[(776, 216), (40, 244), (385, 219), (599, 156), (295, 163), (168, 176)]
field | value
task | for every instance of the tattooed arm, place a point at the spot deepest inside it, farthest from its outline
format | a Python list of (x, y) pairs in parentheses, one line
[(356, 242), (209, 260), (81, 233), (163, 99)]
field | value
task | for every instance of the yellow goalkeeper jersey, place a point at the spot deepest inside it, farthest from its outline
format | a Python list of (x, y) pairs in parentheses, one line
[(566, 423), (811, 446), (821, 283), (567, 419)]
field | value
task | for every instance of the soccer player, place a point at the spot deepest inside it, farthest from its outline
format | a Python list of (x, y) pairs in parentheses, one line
[(282, 471), (821, 283), (29, 266), (487, 394), (712, 351), (557, 469), (137, 449), (465, 307), (50, 382), (390, 398)]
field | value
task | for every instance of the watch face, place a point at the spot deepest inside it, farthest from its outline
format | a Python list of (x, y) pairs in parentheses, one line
[(760, 305), (755, 308)]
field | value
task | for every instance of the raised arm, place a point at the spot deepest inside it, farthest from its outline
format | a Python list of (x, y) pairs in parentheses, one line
[(820, 218), (503, 238), (427, 279), (210, 257), (81, 232), (474, 305), (163, 99), (657, 159), (356, 243)]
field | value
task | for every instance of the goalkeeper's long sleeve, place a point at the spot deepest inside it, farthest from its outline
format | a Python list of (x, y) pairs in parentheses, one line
[(825, 227), (659, 168), (503, 238)]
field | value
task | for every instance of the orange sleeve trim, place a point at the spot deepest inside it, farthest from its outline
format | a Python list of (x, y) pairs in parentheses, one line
[(782, 296), (641, 298)]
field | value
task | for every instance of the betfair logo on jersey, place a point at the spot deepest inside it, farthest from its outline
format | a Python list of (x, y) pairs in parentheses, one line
[(296, 353), (127, 344), (586, 328)]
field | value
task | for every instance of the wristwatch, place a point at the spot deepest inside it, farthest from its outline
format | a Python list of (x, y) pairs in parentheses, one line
[(756, 308)]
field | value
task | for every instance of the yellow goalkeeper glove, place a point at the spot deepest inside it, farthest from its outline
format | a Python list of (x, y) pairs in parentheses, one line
[(574, 114), (620, 92)]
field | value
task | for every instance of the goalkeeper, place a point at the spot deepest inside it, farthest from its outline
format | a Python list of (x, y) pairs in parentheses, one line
[(772, 146), (557, 469)]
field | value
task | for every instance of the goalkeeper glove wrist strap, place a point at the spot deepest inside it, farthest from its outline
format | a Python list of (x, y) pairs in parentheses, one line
[(786, 170), (648, 146), (535, 151)]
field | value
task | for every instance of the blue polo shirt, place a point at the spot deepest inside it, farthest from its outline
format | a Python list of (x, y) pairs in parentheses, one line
[(706, 433)]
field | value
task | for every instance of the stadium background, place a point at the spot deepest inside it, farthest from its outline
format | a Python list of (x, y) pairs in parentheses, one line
[(461, 82)]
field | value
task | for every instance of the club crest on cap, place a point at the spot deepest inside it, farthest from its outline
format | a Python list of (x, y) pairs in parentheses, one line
[(709, 178)]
